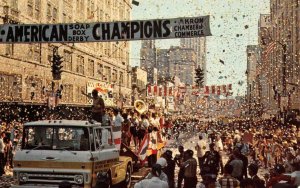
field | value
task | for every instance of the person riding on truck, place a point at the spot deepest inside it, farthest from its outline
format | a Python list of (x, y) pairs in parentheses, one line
[(98, 106)]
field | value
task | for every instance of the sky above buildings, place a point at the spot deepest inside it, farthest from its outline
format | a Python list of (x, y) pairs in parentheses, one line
[(234, 25)]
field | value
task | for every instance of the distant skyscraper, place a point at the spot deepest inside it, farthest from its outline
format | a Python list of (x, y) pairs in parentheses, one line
[(199, 46), (148, 58), (182, 64), (162, 63)]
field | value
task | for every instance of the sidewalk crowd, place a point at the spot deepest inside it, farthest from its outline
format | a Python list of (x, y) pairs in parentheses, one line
[(250, 146)]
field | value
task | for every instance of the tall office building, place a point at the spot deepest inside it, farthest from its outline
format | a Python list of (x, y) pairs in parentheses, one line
[(182, 64), (285, 72), (199, 46), (148, 58)]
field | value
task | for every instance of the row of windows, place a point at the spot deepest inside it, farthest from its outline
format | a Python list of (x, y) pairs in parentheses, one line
[(104, 13), (72, 62), (35, 89)]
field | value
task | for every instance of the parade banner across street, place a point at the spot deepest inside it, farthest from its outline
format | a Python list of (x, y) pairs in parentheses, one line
[(106, 31)]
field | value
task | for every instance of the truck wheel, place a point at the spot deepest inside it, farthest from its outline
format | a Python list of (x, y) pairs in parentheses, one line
[(127, 181)]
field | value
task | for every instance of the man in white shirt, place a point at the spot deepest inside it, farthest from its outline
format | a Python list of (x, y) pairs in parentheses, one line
[(219, 144), (201, 148), (154, 182), (154, 121), (163, 163), (118, 119), (117, 126)]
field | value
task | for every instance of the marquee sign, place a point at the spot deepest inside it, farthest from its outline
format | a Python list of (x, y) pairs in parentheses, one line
[(106, 31)]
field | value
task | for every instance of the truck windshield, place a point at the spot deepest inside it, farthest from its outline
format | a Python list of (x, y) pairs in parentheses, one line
[(56, 138)]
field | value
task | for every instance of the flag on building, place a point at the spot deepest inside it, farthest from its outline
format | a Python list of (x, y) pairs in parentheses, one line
[(269, 49), (160, 91), (206, 90), (149, 90), (165, 91), (155, 90), (213, 89), (218, 90), (224, 88)]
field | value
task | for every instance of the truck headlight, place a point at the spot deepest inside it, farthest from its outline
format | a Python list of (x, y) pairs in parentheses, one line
[(79, 179), (23, 177)]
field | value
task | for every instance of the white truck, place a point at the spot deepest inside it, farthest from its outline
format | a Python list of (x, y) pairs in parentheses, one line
[(76, 152)]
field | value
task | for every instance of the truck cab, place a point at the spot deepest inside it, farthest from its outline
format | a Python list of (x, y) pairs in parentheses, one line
[(56, 151)]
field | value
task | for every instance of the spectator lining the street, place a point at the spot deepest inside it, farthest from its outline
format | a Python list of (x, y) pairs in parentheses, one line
[(190, 170), (212, 162), (179, 159), (253, 170), (155, 181), (227, 181), (201, 149), (170, 170)]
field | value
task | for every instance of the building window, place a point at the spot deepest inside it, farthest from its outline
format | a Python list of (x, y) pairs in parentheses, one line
[(54, 18), (30, 8), (80, 7), (33, 88), (80, 65), (91, 68), (49, 14), (79, 97), (14, 4), (67, 93), (50, 53), (64, 18), (107, 74), (37, 9), (115, 75), (100, 71), (67, 60), (121, 79), (11, 87), (34, 52)]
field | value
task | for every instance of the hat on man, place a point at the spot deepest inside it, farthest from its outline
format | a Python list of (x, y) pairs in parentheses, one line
[(162, 162)]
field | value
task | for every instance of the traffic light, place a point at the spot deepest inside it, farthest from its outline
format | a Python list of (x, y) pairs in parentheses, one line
[(56, 67)]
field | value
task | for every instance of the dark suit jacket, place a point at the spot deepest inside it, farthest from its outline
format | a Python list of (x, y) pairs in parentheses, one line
[(259, 183)]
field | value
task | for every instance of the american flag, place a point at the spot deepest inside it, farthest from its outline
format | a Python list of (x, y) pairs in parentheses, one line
[(142, 153), (269, 49)]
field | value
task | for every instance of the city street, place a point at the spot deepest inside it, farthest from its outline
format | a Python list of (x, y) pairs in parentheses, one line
[(188, 141), (94, 92)]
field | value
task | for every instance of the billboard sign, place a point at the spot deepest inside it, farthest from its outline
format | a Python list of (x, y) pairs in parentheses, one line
[(188, 27), (104, 90)]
